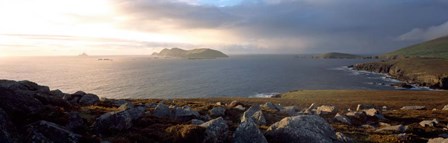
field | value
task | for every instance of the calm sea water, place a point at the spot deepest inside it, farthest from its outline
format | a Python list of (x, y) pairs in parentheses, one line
[(144, 77)]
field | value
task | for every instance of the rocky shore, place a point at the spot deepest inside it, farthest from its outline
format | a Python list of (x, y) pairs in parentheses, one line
[(33, 113), (428, 72)]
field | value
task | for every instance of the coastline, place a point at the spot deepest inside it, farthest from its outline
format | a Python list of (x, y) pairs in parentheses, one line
[(51, 115)]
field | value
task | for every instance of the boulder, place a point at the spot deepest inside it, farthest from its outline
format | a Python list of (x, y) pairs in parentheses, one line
[(429, 123), (290, 110), (397, 128), (445, 107), (19, 105), (234, 103), (248, 132), (126, 106), (112, 121), (361, 107), (57, 92), (137, 112), (89, 99), (74, 121), (217, 111), (219, 103), (120, 102), (254, 113), (374, 113), (342, 119), (325, 109), (270, 105), (413, 108), (438, 140), (216, 130), (43, 131), (342, 138), (162, 110), (185, 113), (6, 127), (240, 107), (151, 105), (23, 86), (196, 122), (301, 129)]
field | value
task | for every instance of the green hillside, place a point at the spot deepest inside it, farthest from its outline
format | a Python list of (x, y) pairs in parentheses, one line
[(437, 48), (335, 55)]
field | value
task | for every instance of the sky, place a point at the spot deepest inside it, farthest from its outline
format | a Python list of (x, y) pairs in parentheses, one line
[(140, 27)]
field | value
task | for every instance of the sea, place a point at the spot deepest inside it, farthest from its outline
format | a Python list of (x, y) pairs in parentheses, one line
[(149, 77)]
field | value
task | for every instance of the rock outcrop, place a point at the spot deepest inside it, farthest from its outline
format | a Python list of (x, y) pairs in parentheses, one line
[(216, 130), (43, 131), (255, 114)]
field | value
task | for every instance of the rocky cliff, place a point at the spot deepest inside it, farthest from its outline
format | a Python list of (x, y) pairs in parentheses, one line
[(421, 71)]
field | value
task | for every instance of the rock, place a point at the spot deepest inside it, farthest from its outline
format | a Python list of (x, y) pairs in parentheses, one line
[(325, 109), (43, 131), (118, 103), (58, 93), (137, 112), (240, 107), (384, 108), (413, 108), (397, 128), (217, 111), (310, 109), (272, 106), (196, 122), (361, 107), (112, 121), (255, 114), (74, 121), (19, 105), (6, 127), (429, 123), (151, 105), (445, 107), (301, 129), (403, 137), (356, 114), (219, 103), (126, 106), (185, 113), (216, 130), (438, 140), (48, 99), (374, 113), (89, 99), (234, 104), (342, 138), (162, 110), (342, 119), (248, 132), (290, 110), (23, 86)]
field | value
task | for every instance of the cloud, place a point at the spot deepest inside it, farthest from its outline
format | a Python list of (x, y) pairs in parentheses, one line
[(427, 33)]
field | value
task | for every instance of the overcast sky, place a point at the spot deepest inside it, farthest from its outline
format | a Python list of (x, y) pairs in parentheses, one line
[(105, 27)]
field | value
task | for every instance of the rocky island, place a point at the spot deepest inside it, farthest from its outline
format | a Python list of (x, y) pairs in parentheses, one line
[(191, 54), (33, 113)]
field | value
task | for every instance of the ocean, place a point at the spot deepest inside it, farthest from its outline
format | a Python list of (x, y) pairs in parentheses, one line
[(146, 77)]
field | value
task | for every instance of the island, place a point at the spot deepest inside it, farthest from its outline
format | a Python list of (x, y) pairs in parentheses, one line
[(30, 112), (203, 53), (424, 64), (336, 55)]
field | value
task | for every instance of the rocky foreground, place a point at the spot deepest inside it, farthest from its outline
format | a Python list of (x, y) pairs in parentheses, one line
[(33, 113)]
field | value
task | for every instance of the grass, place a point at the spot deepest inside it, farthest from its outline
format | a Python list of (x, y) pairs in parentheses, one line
[(437, 48)]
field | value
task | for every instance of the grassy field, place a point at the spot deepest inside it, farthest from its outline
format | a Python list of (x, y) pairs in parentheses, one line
[(437, 48)]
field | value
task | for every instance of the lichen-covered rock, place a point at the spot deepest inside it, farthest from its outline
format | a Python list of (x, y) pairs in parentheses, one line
[(43, 131), (217, 111), (255, 114), (301, 129), (112, 121), (89, 99), (413, 108), (216, 130), (234, 103), (6, 127), (374, 113), (342, 119), (248, 132), (162, 110), (325, 109)]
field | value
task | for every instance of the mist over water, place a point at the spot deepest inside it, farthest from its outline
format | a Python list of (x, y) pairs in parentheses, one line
[(144, 77)]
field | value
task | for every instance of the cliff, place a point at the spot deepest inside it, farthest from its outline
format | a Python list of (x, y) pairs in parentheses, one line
[(421, 71), (191, 54)]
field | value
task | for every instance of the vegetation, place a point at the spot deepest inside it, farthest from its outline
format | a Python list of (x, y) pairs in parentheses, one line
[(191, 54), (437, 48), (335, 55)]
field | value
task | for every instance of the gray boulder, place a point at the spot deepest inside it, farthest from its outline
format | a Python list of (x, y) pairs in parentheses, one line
[(185, 113), (6, 127), (74, 121), (254, 113), (248, 132), (429, 123), (216, 130), (342, 119), (113, 121), (23, 86), (162, 110), (438, 140), (19, 105), (301, 129), (196, 122), (43, 131), (151, 105), (217, 111), (413, 108), (137, 112), (89, 99), (270, 105)]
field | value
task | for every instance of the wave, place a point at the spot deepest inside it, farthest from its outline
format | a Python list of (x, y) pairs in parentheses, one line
[(264, 95)]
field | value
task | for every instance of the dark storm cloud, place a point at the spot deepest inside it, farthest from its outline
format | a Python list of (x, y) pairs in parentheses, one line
[(360, 26)]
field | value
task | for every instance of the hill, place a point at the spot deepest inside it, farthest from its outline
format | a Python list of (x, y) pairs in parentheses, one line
[(437, 48), (334, 55), (191, 54)]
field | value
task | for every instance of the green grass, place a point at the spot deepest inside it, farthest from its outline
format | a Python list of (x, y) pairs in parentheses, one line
[(437, 48)]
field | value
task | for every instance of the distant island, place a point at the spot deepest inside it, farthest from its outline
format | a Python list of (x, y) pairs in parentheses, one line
[(203, 53), (336, 55), (436, 48), (83, 55)]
